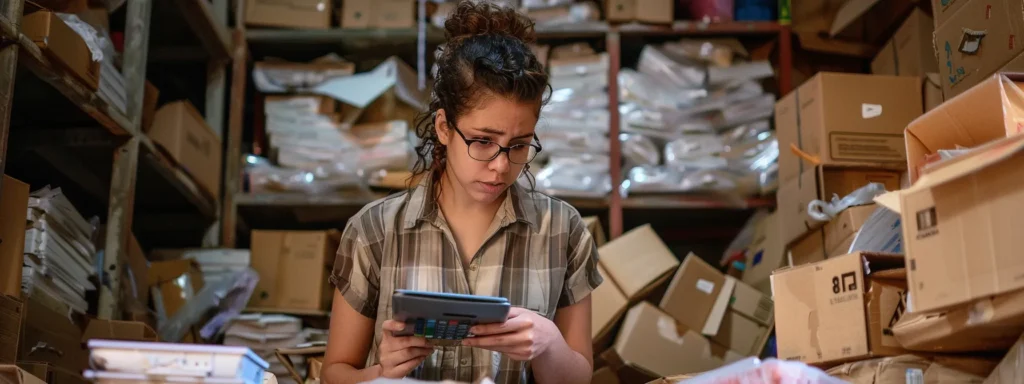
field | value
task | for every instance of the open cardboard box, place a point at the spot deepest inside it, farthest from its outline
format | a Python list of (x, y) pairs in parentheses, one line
[(959, 329), (638, 262), (306, 351), (961, 226)]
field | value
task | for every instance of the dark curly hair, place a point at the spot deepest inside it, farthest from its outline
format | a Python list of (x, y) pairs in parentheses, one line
[(486, 54)]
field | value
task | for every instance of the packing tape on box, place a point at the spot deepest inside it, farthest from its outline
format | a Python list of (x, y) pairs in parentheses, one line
[(668, 329)]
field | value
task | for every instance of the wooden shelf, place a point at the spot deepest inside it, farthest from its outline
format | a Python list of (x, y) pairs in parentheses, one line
[(590, 29), (188, 30), (686, 28), (678, 201), (341, 36)]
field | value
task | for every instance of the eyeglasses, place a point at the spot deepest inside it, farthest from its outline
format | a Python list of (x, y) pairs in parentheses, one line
[(486, 150)]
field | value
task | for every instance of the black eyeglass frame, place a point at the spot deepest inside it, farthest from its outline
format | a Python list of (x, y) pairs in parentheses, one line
[(501, 149)]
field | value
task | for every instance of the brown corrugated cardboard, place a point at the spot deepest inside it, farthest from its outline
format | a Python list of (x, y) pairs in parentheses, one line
[(991, 110), (888, 370), (830, 312), (118, 330), (909, 51), (765, 254), (180, 130), (693, 292), (285, 355), (11, 374), (846, 225), (821, 183), (977, 42), (359, 14), (1011, 369), (307, 103), (932, 91), (134, 278), (752, 303), (293, 267), (596, 231), (302, 14), (173, 283), (604, 375), (11, 314), (617, 11), (609, 305), (846, 119), (654, 342), (958, 329), (741, 334), (960, 225), (52, 374), (61, 43), (655, 11), (13, 205), (150, 99), (943, 10), (809, 249), (638, 262), (48, 336)]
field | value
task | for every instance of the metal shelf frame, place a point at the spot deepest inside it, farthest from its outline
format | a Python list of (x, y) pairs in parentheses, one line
[(277, 205), (131, 150)]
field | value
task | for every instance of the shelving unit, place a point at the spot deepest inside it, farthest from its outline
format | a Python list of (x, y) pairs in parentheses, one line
[(242, 211), (54, 130)]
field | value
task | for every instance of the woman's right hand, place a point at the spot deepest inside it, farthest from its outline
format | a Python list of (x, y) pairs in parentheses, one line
[(399, 355)]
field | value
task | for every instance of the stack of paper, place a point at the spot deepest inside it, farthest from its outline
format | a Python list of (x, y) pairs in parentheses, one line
[(264, 334), (144, 362), (59, 253), (219, 264)]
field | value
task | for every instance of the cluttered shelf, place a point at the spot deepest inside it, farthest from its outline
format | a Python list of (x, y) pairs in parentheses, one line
[(572, 30), (200, 18), (349, 36), (73, 89), (702, 28), (687, 201)]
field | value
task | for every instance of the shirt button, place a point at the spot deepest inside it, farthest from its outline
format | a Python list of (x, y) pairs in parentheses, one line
[(472, 267), (464, 361)]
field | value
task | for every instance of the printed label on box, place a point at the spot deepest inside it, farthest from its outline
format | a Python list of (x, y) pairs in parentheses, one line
[(705, 286), (867, 147)]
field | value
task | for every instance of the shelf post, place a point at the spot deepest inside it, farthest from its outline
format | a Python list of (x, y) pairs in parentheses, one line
[(614, 47), (233, 136), (121, 207), (10, 15)]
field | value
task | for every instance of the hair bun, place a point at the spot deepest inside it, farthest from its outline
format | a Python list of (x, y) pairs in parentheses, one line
[(472, 18)]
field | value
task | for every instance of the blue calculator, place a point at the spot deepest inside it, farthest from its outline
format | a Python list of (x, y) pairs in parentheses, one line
[(445, 316)]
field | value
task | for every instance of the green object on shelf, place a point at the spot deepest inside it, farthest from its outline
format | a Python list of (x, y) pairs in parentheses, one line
[(785, 16)]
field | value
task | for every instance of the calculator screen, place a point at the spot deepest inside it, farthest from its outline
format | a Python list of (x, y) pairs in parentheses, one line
[(441, 329)]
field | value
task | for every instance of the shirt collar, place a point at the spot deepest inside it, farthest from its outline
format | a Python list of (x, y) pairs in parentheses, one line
[(422, 206)]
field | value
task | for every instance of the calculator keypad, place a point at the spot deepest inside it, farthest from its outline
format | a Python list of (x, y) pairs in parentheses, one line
[(441, 329)]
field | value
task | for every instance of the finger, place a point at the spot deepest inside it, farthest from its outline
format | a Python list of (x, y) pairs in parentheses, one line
[(404, 355), (392, 325), (516, 311), (505, 340), (408, 366), (397, 343), (513, 324)]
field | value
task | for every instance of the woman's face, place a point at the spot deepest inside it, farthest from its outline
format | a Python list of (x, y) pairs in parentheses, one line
[(497, 120)]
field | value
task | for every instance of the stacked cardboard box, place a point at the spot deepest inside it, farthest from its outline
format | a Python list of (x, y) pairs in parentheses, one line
[(909, 53), (951, 296), (674, 319), (976, 38)]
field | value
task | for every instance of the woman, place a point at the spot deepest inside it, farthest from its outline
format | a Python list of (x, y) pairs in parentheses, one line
[(468, 227)]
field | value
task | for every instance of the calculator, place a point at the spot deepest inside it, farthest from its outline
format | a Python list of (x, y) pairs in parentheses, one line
[(445, 316)]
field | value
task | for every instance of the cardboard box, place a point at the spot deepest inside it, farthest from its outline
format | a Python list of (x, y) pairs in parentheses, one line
[(180, 130), (1011, 369), (11, 313), (959, 329), (609, 305), (596, 231), (834, 239), (900, 369), (655, 11), (959, 226), (150, 99), (604, 375), (765, 254), (48, 336), (932, 91), (394, 94), (52, 374), (845, 119), (172, 284), (118, 330), (13, 208), (840, 309), (300, 14), (360, 14), (741, 334), (63, 46), (977, 41), (293, 268), (693, 292), (638, 262), (808, 249), (909, 51), (620, 11), (943, 10), (992, 110), (652, 341), (135, 274), (822, 183), (313, 104), (11, 374)]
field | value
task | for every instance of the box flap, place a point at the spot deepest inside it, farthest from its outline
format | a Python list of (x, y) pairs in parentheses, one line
[(889, 200), (974, 161), (988, 324), (11, 374), (714, 321), (636, 260), (361, 89)]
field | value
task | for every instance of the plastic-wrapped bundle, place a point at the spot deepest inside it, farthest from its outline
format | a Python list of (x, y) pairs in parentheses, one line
[(771, 371), (583, 175), (554, 121), (638, 150), (656, 64), (654, 94), (264, 176), (691, 147)]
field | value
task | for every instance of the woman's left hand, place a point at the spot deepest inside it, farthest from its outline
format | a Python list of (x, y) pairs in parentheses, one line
[(523, 337)]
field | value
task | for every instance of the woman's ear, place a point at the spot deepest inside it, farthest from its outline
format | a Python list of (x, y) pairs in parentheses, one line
[(441, 127)]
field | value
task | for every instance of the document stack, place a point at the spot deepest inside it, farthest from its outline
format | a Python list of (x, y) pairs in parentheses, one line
[(59, 253), (265, 333), (144, 362)]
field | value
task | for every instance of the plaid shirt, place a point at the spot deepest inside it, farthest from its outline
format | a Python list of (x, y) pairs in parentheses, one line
[(538, 254)]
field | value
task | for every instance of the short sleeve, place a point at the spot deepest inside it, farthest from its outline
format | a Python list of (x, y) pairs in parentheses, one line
[(356, 272), (581, 274)]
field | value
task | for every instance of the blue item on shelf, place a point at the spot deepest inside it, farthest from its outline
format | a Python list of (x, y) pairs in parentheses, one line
[(755, 10)]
